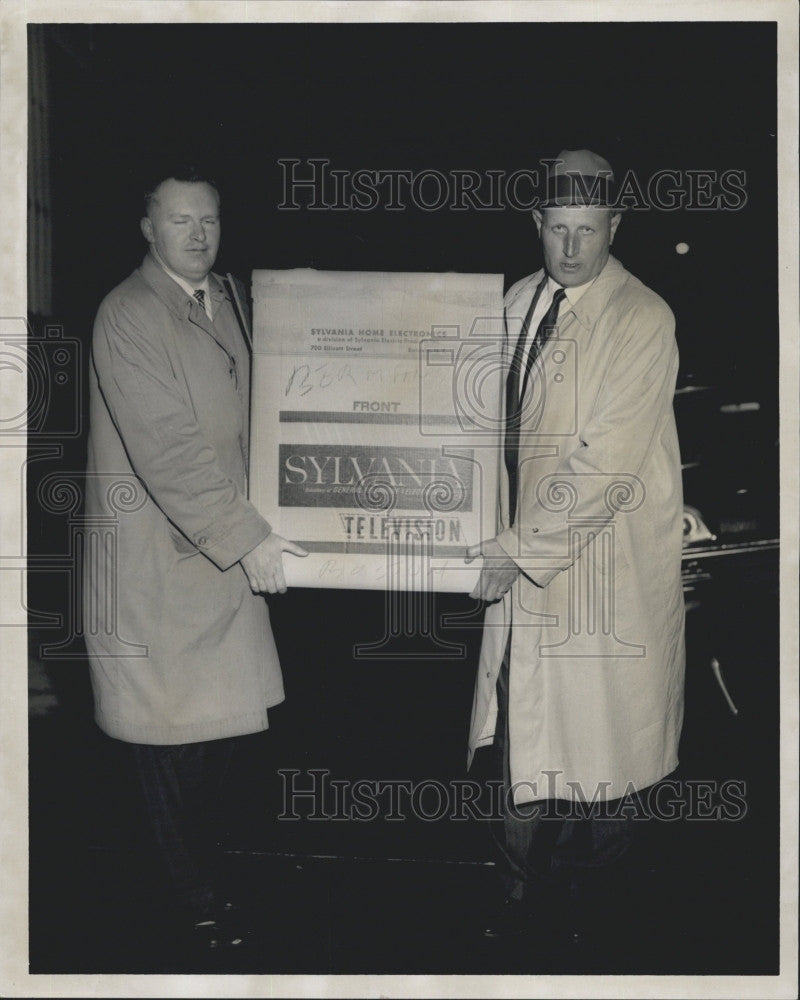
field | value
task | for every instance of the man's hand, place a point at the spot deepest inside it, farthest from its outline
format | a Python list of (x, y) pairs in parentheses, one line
[(498, 572), (263, 566)]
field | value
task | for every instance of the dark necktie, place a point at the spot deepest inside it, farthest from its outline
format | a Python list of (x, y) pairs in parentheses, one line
[(200, 295), (515, 394)]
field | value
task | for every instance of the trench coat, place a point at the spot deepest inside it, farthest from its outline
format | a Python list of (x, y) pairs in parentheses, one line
[(596, 617), (180, 649)]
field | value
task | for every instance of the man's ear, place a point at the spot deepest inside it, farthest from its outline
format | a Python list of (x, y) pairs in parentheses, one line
[(615, 221), (147, 229), (537, 218)]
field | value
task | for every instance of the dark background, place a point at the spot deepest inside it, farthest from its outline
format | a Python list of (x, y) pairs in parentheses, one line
[(447, 96), (124, 99)]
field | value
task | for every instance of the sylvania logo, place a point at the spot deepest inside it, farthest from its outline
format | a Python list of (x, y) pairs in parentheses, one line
[(369, 477)]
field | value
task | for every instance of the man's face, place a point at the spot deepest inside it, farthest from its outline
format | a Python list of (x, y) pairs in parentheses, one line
[(575, 242), (183, 226)]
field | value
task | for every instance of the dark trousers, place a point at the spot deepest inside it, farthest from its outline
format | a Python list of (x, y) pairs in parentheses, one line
[(544, 844), (180, 789)]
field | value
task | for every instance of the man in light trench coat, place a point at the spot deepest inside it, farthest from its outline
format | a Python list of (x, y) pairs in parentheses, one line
[(580, 683), (180, 647)]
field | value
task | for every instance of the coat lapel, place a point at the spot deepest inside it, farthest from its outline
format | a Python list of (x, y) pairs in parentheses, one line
[(583, 315), (182, 305)]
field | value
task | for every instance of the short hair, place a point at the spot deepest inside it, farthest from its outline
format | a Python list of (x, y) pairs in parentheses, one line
[(188, 172)]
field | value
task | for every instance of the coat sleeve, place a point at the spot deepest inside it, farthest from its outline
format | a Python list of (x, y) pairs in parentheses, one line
[(633, 408), (162, 439)]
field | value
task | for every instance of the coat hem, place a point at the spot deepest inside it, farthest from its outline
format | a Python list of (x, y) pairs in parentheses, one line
[(241, 725), (566, 786)]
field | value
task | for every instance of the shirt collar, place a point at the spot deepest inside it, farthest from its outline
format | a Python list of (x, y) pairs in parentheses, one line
[(573, 295), (171, 287), (587, 301)]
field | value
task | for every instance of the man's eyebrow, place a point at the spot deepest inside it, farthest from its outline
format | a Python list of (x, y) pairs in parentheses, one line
[(188, 215)]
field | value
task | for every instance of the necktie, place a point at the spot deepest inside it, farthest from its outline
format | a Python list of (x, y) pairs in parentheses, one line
[(514, 394), (200, 295)]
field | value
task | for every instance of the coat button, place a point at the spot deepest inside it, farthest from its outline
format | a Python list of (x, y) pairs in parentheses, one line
[(202, 540)]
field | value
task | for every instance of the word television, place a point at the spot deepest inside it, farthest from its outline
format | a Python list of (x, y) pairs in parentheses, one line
[(371, 528)]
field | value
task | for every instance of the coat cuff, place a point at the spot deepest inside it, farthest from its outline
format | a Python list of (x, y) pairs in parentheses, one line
[(224, 548), (509, 542)]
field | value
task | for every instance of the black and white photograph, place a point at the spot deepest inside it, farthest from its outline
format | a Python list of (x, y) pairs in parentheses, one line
[(399, 440)]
